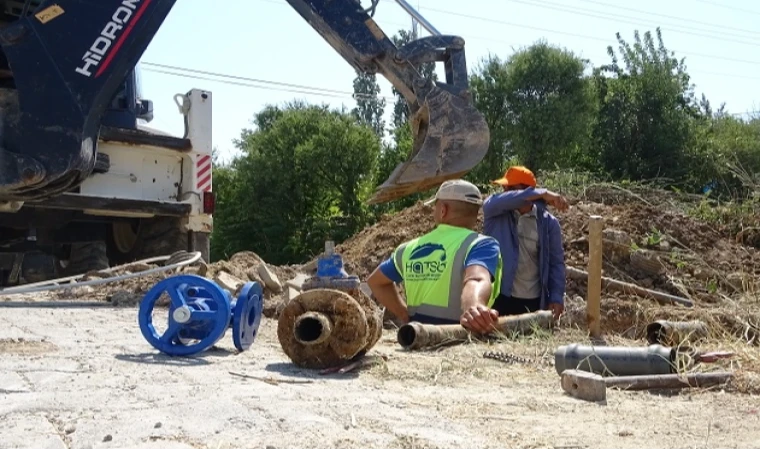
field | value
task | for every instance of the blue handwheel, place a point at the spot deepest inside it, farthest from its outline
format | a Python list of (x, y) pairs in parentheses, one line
[(246, 316), (205, 318)]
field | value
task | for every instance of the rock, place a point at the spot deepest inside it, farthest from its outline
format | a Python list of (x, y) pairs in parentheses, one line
[(253, 275), (616, 245), (202, 269), (126, 298), (291, 294), (298, 281), (229, 282), (80, 291), (107, 438), (139, 267), (70, 429), (270, 278), (310, 266), (665, 246), (157, 425), (647, 262), (273, 306)]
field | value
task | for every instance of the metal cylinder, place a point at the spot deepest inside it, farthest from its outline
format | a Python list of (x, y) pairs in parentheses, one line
[(616, 361), (312, 328), (675, 334), (415, 335)]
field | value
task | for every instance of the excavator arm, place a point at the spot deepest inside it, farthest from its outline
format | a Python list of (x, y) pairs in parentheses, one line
[(66, 59)]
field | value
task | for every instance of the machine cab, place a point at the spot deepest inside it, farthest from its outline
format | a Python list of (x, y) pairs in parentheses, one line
[(128, 107)]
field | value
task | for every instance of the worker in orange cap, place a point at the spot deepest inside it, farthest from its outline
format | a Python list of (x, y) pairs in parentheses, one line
[(530, 240)]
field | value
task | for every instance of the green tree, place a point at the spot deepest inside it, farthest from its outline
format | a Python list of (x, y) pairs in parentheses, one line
[(303, 178), (538, 106), (647, 108), (370, 106)]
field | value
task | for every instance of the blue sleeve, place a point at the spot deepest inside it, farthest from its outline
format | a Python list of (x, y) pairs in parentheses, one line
[(556, 264), (485, 253), (389, 270), (498, 204)]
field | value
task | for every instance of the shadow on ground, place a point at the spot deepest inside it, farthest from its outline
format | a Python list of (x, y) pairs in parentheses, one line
[(163, 359)]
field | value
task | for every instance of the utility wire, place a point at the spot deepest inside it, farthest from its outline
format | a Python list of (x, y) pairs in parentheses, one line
[(566, 33), (302, 89), (547, 30), (321, 92), (626, 19), (676, 18), (733, 8)]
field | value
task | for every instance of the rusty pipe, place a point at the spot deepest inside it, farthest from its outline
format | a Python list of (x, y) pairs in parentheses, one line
[(415, 335), (674, 334), (312, 328)]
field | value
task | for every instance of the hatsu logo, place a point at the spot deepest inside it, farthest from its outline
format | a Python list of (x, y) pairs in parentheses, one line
[(102, 51)]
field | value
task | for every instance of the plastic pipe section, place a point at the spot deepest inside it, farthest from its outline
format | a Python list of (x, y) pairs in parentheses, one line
[(651, 360), (415, 335)]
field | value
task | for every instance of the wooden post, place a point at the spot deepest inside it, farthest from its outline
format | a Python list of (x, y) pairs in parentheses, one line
[(594, 291)]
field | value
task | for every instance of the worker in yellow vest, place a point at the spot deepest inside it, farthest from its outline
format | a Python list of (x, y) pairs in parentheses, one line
[(451, 274)]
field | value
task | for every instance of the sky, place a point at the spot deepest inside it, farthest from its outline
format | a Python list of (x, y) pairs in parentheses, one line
[(269, 42)]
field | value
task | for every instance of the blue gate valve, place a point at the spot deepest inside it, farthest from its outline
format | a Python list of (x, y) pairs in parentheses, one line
[(331, 273), (200, 313)]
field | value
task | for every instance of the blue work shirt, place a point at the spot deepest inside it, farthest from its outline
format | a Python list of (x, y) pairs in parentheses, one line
[(500, 223)]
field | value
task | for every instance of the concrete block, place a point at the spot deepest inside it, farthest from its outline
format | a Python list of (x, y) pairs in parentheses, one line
[(298, 281), (584, 385), (229, 282), (310, 266), (269, 278), (291, 294)]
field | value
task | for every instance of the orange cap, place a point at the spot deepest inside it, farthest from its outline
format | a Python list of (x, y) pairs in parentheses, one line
[(517, 175)]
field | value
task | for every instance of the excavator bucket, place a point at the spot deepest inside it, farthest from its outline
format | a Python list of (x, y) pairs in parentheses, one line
[(450, 138), (450, 135)]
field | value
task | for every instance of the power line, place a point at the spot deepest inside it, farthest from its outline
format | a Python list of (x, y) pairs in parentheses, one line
[(582, 36), (679, 19), (235, 77), (547, 30), (621, 18), (312, 90), (183, 75), (733, 8), (300, 89)]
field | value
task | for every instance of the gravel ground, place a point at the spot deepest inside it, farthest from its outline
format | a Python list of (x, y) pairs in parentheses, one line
[(86, 378)]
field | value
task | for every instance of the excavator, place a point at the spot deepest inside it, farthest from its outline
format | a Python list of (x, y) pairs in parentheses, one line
[(65, 63)]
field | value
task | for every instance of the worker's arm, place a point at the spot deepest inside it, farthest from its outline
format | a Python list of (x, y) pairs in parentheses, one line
[(498, 204), (382, 282), (480, 269)]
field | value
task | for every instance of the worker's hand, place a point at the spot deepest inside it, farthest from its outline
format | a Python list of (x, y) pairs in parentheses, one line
[(557, 309), (556, 201), (480, 319)]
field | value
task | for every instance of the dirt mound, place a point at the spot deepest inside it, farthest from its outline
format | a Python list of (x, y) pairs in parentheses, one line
[(696, 259), (366, 250), (656, 247)]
